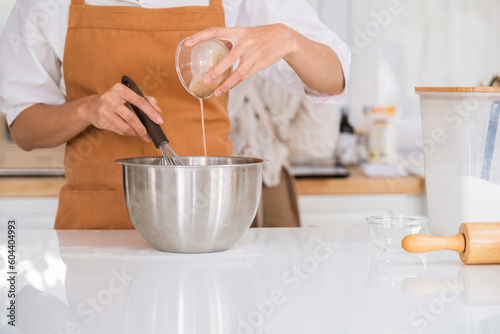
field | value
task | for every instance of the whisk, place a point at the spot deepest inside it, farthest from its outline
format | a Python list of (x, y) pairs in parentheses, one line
[(155, 131)]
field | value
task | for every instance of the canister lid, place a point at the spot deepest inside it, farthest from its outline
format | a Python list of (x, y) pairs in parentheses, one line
[(485, 89)]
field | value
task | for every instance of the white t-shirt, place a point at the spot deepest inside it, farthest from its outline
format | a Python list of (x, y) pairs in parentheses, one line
[(32, 46)]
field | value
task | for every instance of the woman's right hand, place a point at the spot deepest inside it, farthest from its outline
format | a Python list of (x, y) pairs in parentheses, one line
[(42, 125), (108, 111)]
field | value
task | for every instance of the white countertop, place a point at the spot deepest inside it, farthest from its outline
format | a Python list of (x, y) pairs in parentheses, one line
[(274, 281)]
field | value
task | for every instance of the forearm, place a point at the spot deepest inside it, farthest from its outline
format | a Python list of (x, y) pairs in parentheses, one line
[(42, 126), (316, 64)]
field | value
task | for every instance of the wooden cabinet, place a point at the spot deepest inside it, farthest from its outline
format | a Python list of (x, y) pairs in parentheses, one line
[(325, 210), (350, 200), (30, 213)]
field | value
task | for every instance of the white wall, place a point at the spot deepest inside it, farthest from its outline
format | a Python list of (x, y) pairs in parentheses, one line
[(5, 8)]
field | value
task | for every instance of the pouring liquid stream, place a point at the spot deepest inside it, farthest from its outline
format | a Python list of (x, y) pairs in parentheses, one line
[(203, 129)]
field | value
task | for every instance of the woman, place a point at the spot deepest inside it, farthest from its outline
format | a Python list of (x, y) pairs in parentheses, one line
[(61, 62)]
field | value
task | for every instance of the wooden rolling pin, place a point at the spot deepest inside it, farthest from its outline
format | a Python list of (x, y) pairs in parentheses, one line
[(477, 243)]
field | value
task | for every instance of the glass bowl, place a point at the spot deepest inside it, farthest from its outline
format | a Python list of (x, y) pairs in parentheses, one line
[(387, 231), (193, 63)]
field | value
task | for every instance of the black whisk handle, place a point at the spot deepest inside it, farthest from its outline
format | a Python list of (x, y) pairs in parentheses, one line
[(154, 130)]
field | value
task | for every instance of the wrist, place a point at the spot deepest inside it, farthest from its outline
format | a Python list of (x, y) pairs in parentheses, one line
[(84, 108), (292, 41)]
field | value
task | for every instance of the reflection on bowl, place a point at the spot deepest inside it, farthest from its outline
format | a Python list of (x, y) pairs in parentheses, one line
[(387, 231)]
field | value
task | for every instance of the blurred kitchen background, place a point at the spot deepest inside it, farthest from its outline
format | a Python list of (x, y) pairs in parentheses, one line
[(399, 44), (396, 45)]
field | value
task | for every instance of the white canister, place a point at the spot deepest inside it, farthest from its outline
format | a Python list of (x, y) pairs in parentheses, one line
[(462, 159)]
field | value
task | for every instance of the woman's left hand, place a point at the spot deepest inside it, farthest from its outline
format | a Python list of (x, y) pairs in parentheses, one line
[(256, 48)]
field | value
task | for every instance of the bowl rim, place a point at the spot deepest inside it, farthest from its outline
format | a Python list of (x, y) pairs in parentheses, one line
[(416, 219), (254, 161)]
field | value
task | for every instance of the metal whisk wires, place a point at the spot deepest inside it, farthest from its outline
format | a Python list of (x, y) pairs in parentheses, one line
[(170, 157)]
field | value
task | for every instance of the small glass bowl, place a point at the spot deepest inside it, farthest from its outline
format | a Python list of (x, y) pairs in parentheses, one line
[(387, 231), (193, 63)]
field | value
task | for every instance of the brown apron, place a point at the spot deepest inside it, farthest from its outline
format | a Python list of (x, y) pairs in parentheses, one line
[(102, 44), (279, 205)]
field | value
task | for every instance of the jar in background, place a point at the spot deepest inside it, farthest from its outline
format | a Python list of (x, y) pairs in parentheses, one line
[(382, 135)]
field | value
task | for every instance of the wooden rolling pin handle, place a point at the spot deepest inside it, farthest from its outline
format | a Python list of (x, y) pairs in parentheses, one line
[(420, 243)]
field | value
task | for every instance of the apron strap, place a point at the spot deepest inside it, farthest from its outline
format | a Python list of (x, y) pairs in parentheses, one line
[(213, 3)]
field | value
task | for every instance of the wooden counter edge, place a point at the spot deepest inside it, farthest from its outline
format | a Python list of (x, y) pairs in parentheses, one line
[(356, 184), (49, 186), (30, 186)]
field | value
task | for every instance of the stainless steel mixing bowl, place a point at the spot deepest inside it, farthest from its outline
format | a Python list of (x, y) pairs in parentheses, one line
[(196, 208)]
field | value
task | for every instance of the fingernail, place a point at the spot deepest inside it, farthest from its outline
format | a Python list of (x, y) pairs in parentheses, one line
[(188, 42), (218, 92), (146, 138), (208, 80), (159, 120)]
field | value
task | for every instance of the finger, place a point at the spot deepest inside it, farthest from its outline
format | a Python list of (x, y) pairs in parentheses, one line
[(144, 137), (118, 130), (227, 43), (220, 92), (225, 64), (135, 126), (153, 103), (119, 126), (253, 70), (116, 124), (210, 33), (130, 96), (240, 74)]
